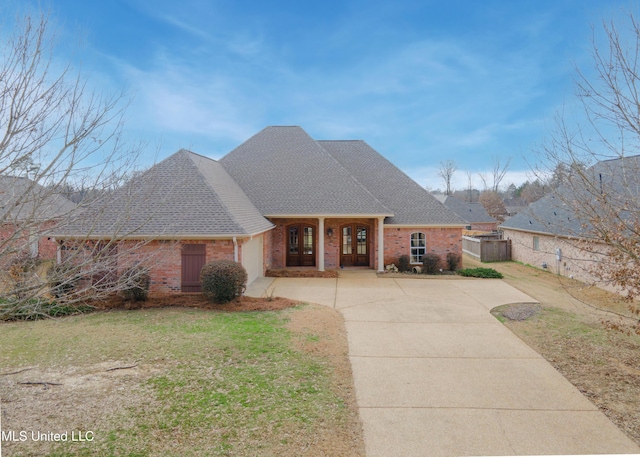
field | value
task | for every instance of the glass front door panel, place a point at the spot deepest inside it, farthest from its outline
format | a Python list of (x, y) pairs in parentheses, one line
[(307, 247), (361, 237), (293, 240), (347, 244)]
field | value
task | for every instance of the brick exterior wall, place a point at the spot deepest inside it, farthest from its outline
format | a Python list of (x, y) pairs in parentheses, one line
[(575, 261), (47, 247), (397, 241), (440, 241), (164, 259), (332, 244), (484, 226)]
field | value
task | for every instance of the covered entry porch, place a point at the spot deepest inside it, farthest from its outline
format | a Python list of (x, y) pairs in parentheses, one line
[(327, 242)]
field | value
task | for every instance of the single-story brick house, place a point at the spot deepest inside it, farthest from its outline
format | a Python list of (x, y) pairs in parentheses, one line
[(552, 233), (474, 214), (27, 211), (279, 200)]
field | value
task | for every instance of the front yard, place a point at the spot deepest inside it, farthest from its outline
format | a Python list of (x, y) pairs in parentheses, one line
[(570, 332), (175, 381)]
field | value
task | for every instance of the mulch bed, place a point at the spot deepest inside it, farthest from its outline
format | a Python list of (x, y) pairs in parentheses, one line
[(301, 274), (240, 304)]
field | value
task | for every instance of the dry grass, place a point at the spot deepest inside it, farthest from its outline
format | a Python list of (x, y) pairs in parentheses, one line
[(571, 333), (180, 381)]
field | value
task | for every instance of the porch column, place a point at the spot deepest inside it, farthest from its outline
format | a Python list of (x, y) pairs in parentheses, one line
[(321, 244), (381, 244)]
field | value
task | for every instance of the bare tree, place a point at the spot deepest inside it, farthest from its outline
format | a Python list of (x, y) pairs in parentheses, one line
[(469, 197), (493, 204), (54, 133), (447, 169), (498, 172), (596, 159)]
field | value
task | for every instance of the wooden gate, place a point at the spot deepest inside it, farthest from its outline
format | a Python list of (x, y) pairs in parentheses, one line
[(193, 259), (487, 250)]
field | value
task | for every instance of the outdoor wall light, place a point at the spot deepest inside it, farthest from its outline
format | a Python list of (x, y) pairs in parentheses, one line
[(329, 232)]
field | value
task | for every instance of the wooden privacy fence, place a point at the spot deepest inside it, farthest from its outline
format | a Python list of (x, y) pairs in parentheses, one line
[(487, 250)]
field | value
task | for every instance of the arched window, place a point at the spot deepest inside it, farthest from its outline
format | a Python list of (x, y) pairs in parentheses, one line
[(418, 246)]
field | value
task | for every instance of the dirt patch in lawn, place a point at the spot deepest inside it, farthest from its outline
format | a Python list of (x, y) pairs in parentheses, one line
[(75, 395), (321, 331)]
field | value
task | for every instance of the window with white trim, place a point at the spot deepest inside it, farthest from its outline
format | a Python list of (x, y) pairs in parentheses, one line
[(536, 243), (418, 246)]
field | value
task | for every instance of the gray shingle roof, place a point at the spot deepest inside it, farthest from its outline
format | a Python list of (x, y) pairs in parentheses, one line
[(185, 195), (23, 199), (554, 214), (409, 202), (284, 171), (547, 215), (470, 212)]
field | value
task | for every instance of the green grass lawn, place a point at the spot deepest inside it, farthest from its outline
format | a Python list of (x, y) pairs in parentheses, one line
[(204, 383)]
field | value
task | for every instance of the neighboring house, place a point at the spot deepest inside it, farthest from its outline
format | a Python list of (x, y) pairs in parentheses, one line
[(474, 214), (280, 200), (550, 234), (27, 211)]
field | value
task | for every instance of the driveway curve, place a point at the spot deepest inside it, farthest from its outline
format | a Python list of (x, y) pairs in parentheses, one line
[(435, 374)]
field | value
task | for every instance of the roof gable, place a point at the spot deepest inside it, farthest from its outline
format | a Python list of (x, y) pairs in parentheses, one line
[(285, 172)]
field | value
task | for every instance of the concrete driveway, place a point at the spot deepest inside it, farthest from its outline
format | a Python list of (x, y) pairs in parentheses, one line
[(435, 374)]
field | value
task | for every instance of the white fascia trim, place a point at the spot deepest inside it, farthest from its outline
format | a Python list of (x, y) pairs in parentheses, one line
[(176, 237), (425, 225), (327, 216), (555, 235)]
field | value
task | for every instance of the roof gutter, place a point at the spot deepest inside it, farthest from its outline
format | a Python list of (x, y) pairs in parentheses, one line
[(176, 236), (327, 215), (536, 232), (426, 225)]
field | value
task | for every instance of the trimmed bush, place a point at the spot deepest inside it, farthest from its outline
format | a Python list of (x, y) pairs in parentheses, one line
[(404, 263), (480, 273), (430, 263), (223, 280), (453, 260), (136, 281)]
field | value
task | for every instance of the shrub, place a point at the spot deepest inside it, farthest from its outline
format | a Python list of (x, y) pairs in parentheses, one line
[(430, 263), (453, 260), (223, 280), (12, 309), (481, 273), (136, 281), (404, 263), (63, 279)]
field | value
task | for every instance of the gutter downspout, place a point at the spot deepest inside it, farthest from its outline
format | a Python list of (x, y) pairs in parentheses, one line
[(381, 244), (235, 249), (58, 251)]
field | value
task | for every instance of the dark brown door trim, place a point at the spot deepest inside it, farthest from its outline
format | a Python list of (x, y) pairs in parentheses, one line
[(354, 245), (301, 245)]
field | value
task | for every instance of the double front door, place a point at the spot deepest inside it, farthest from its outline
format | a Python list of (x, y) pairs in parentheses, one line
[(354, 245), (301, 246), (354, 249)]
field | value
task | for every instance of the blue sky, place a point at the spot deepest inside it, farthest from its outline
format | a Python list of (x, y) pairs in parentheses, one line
[(420, 81)]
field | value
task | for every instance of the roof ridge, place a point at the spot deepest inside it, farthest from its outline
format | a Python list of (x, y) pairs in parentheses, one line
[(213, 191), (366, 189)]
